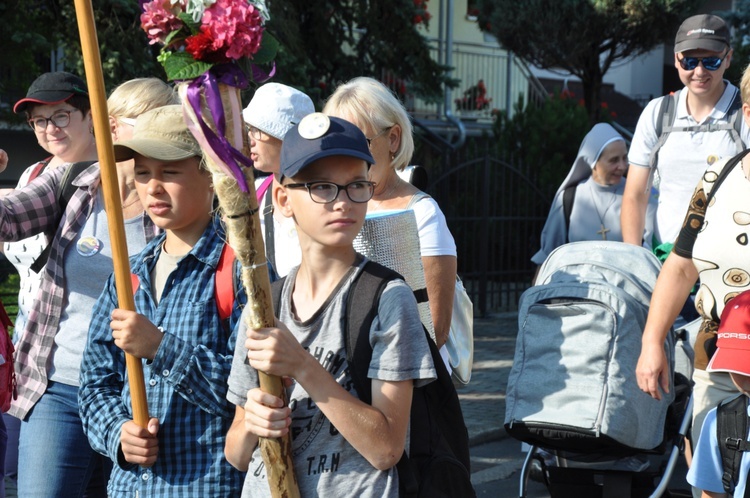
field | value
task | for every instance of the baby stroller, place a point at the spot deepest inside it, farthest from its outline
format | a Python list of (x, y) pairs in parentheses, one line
[(572, 389)]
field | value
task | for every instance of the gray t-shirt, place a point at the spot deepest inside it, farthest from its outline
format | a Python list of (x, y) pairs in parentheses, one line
[(88, 264), (325, 463)]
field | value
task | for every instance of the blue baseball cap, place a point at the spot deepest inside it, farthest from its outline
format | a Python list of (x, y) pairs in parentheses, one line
[(317, 136)]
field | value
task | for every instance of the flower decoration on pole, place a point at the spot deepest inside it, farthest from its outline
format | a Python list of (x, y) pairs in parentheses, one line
[(208, 47), (211, 42), (198, 34)]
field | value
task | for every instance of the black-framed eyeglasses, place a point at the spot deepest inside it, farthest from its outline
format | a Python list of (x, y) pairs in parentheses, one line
[(254, 132), (369, 140), (710, 63), (61, 119), (326, 192)]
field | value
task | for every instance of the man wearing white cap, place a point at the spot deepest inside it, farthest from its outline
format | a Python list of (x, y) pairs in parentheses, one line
[(273, 111)]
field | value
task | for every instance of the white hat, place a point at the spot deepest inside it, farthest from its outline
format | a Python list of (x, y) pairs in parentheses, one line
[(592, 146), (276, 108)]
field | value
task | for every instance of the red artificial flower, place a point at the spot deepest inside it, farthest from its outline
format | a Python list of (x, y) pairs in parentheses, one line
[(200, 46)]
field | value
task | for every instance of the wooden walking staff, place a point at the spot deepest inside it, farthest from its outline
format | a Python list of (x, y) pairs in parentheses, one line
[(213, 112), (95, 80)]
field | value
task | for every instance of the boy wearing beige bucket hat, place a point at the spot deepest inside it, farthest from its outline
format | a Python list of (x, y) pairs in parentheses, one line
[(177, 329)]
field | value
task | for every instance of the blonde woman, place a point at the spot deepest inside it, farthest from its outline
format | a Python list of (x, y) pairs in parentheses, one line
[(382, 118)]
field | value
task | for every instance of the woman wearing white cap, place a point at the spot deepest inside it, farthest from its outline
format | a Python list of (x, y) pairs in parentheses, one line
[(273, 111), (593, 189)]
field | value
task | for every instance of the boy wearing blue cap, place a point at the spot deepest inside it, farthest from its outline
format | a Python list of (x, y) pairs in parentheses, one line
[(342, 446)]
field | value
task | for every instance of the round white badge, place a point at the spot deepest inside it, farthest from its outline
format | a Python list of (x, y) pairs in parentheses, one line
[(88, 246), (314, 125)]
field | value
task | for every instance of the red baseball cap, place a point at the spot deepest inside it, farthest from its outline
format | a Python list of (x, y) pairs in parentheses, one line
[(733, 337)]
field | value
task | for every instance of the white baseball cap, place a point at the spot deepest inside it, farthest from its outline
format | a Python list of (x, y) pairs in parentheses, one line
[(276, 108)]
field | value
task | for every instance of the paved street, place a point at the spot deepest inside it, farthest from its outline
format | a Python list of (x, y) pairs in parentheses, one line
[(496, 458)]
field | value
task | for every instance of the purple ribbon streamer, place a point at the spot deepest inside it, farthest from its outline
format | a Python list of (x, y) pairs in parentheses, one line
[(208, 82), (260, 76)]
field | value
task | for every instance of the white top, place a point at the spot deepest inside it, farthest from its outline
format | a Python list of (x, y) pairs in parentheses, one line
[(287, 252), (683, 158), (435, 238), (22, 255)]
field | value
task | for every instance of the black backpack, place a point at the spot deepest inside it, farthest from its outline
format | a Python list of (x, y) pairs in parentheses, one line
[(731, 431), (438, 461)]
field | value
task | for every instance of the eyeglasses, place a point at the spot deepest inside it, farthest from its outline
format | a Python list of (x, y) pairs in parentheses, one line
[(369, 140), (61, 119), (254, 132), (710, 63), (326, 192)]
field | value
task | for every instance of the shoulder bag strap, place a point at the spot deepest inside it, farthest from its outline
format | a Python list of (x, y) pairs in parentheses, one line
[(65, 192), (269, 230), (731, 431), (569, 195)]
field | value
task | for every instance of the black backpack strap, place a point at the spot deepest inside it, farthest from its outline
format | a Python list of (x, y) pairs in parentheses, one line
[(569, 195), (361, 309), (723, 174), (731, 431), (276, 288), (65, 192), (269, 229)]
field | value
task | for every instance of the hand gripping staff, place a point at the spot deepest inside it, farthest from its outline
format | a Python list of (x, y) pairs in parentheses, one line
[(211, 104)]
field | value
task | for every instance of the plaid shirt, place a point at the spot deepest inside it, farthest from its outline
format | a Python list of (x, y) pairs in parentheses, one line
[(186, 383), (28, 211)]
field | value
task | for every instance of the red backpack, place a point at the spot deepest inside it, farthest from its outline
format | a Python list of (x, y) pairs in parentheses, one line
[(224, 284), (7, 372)]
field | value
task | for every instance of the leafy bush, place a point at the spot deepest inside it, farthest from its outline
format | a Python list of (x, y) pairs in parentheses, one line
[(9, 294), (545, 138)]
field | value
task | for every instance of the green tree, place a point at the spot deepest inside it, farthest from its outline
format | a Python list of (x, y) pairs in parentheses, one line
[(583, 37), (739, 20), (326, 42), (322, 43), (33, 29)]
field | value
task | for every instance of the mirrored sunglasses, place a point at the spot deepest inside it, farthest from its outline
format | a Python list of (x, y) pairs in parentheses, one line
[(710, 63)]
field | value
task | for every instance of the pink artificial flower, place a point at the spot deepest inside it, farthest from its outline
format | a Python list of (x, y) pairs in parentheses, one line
[(235, 27), (159, 18)]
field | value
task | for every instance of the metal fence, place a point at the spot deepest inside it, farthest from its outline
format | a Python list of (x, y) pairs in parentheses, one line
[(494, 209), (506, 79)]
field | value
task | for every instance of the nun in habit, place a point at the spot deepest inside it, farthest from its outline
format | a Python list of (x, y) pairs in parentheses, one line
[(597, 177)]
